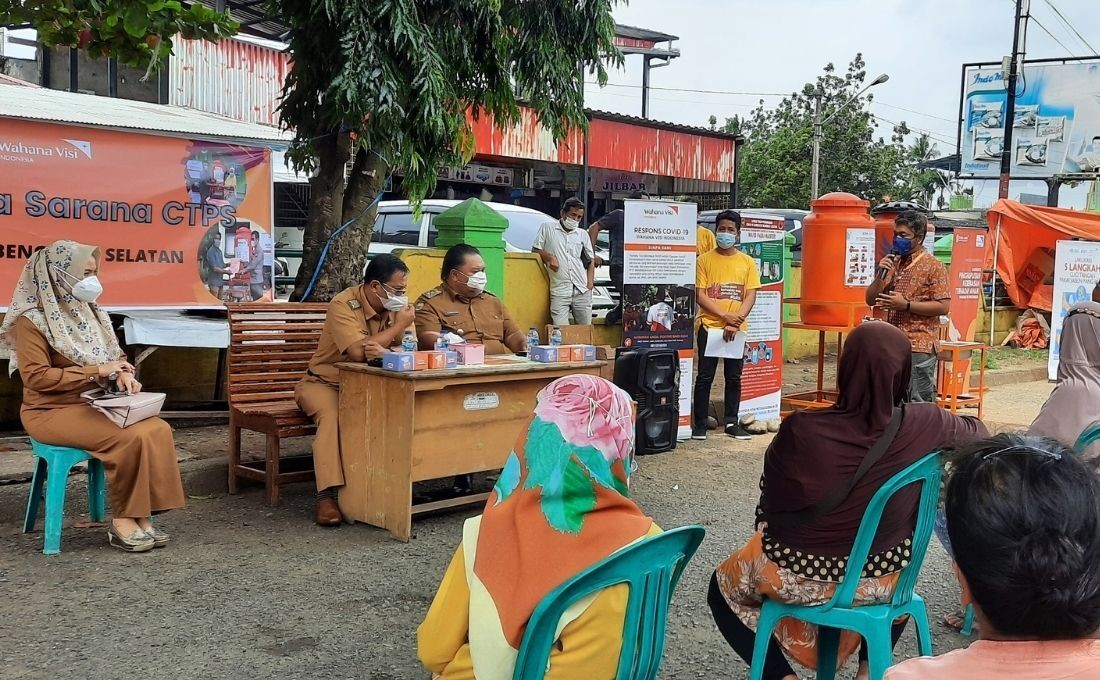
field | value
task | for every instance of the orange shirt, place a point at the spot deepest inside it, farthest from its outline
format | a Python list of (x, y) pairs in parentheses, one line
[(1033, 660)]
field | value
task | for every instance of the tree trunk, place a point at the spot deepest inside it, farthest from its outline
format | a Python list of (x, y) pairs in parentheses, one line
[(333, 203)]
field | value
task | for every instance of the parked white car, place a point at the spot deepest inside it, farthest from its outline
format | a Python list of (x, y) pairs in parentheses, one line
[(397, 228)]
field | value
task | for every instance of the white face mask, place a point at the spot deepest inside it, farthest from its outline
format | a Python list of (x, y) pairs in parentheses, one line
[(394, 302), (477, 281), (87, 289), (569, 224)]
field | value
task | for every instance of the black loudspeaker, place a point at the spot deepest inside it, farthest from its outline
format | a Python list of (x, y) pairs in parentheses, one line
[(652, 379)]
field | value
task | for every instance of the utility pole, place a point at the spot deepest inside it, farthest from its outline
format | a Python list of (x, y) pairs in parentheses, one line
[(816, 163), (1023, 11)]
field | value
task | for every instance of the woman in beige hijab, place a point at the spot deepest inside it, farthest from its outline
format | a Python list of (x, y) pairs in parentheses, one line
[(1075, 402), (62, 344)]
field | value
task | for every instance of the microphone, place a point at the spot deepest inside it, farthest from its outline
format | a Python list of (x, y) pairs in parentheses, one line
[(881, 273)]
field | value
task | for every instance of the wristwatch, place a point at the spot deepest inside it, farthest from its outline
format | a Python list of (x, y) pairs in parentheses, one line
[(113, 376), (909, 305)]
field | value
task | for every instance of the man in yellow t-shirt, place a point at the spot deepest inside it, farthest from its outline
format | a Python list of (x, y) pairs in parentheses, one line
[(726, 281), (704, 240)]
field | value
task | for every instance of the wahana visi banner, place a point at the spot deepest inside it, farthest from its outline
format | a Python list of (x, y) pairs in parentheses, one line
[(762, 378), (179, 223)]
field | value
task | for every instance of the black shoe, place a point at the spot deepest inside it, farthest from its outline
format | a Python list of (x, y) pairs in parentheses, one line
[(738, 432), (699, 433)]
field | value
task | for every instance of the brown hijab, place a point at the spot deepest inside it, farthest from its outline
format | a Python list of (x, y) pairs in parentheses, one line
[(817, 451), (1075, 402)]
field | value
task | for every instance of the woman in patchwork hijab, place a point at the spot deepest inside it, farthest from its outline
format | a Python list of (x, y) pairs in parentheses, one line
[(62, 344), (560, 506)]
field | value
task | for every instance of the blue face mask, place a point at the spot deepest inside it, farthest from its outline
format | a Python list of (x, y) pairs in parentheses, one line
[(725, 240), (903, 246)]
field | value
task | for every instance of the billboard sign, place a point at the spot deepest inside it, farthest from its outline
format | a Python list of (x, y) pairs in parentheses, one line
[(1055, 127), (179, 223)]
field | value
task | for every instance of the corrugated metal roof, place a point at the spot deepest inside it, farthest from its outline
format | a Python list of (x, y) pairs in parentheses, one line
[(659, 124), (29, 103), (624, 31)]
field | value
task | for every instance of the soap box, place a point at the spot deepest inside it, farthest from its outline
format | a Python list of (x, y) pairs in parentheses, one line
[(589, 353), (452, 358), (565, 353), (470, 354), (399, 361), (547, 354), (421, 361)]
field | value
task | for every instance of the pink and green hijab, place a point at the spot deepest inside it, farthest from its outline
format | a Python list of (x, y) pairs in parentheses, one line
[(561, 503)]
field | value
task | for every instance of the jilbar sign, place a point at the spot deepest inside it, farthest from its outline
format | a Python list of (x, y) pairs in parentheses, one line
[(178, 221)]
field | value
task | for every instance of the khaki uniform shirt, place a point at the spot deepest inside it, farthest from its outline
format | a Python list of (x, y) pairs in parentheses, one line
[(350, 319), (482, 319)]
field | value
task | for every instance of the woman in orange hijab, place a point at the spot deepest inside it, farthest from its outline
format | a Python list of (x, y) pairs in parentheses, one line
[(561, 505)]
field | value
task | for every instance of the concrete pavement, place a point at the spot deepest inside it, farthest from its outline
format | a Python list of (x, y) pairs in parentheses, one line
[(246, 590)]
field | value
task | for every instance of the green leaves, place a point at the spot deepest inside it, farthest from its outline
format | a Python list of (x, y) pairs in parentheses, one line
[(136, 32)]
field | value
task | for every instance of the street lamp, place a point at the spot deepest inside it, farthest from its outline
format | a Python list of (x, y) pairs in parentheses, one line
[(818, 123)]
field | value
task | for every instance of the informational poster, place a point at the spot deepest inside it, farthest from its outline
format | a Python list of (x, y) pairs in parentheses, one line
[(1076, 272), (1055, 127), (659, 285), (762, 379), (859, 257), (968, 253), (179, 223)]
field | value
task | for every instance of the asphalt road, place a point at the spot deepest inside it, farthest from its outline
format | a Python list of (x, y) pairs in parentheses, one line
[(250, 591)]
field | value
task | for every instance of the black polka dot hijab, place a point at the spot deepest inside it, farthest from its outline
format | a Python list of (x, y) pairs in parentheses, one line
[(79, 331)]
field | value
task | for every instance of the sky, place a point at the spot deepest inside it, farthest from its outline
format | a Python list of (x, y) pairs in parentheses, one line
[(776, 46)]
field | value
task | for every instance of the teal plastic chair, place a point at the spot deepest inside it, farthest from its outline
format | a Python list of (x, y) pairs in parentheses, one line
[(1087, 438), (968, 621), (652, 568), (873, 622), (51, 474)]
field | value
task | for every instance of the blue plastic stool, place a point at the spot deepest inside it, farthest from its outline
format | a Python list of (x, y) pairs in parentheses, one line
[(651, 567), (51, 470), (873, 622)]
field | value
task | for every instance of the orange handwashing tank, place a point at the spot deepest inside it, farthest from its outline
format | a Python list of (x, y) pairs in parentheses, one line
[(884, 216), (838, 250)]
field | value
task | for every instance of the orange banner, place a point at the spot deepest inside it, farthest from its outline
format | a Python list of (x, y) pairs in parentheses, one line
[(968, 254), (179, 223)]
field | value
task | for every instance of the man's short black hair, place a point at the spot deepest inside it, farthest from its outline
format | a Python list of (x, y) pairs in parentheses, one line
[(1023, 514), (571, 203), (455, 258), (916, 222), (729, 215), (382, 267)]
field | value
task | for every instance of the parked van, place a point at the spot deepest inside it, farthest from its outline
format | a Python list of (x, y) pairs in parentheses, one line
[(397, 228)]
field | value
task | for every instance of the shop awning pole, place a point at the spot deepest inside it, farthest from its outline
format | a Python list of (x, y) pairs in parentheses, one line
[(993, 288)]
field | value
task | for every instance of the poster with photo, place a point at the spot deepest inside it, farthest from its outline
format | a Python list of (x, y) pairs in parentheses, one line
[(762, 378), (658, 294), (859, 257), (1076, 272)]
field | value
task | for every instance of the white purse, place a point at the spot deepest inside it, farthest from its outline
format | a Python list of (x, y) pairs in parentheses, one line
[(125, 409)]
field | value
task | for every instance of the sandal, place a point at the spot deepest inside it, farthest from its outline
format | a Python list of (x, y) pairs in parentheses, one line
[(139, 541)]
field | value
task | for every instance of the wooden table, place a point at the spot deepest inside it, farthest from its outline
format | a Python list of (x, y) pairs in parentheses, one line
[(400, 428)]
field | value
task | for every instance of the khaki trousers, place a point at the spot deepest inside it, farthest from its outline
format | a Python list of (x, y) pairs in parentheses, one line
[(321, 402)]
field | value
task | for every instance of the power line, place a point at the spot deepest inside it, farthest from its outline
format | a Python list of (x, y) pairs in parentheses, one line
[(934, 136), (1038, 23), (1071, 26), (684, 89), (919, 113)]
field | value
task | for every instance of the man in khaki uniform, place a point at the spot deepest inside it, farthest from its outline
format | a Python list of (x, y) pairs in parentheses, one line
[(461, 306), (362, 322)]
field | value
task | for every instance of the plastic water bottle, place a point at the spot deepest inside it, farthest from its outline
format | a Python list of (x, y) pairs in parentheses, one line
[(408, 342), (533, 337), (441, 343), (555, 336)]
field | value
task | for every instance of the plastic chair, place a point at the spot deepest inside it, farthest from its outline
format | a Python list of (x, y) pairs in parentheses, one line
[(968, 621), (51, 471), (1087, 438), (873, 622), (652, 568)]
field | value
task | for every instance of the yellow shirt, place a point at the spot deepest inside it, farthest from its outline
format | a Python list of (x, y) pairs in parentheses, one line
[(588, 647), (725, 279), (704, 240)]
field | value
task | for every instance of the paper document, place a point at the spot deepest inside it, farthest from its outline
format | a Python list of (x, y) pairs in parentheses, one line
[(718, 347)]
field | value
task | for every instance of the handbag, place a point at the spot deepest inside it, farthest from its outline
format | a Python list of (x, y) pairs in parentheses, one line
[(125, 409), (840, 493)]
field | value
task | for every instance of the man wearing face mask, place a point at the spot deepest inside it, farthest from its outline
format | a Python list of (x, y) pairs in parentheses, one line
[(911, 289), (726, 281), (564, 249), (462, 306), (362, 322)]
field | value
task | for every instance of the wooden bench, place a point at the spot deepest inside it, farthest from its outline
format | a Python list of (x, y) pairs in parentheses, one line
[(270, 345)]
